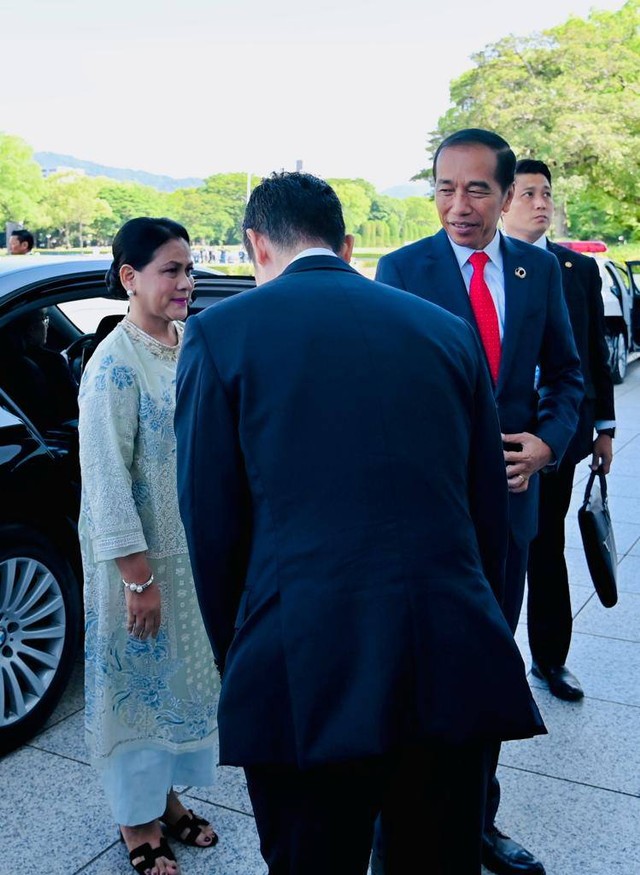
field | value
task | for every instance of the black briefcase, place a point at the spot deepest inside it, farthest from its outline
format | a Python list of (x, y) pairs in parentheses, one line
[(599, 543)]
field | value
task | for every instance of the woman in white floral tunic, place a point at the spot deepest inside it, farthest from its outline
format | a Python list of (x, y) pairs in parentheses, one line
[(151, 685)]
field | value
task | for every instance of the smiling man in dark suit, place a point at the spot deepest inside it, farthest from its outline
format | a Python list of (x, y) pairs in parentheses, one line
[(511, 293), (549, 603), (343, 491)]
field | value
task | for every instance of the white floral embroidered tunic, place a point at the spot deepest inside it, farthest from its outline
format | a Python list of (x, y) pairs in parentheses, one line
[(158, 693)]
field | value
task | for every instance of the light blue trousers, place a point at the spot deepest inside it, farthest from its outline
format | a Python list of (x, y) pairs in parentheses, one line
[(137, 782)]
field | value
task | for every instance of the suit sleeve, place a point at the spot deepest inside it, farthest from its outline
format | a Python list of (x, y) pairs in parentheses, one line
[(387, 272), (598, 349), (212, 489), (561, 386), (488, 492)]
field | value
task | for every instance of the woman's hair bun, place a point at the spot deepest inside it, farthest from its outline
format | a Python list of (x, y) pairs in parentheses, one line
[(112, 280)]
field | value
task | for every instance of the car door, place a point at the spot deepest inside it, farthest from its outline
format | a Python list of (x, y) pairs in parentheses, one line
[(633, 272)]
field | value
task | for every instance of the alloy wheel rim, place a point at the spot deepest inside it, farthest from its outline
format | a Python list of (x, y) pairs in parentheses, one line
[(32, 633)]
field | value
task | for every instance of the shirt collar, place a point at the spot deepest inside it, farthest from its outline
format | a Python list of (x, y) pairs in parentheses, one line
[(464, 253), (313, 250), (541, 242)]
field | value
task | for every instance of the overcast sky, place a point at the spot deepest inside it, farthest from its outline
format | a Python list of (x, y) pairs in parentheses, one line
[(194, 87)]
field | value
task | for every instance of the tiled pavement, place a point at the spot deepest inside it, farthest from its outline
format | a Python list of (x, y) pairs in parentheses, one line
[(573, 796)]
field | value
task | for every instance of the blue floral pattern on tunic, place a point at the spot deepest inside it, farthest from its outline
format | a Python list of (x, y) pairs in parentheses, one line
[(122, 376)]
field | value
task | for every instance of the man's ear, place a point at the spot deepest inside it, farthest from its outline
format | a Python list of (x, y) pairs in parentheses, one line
[(508, 198), (260, 247), (346, 250)]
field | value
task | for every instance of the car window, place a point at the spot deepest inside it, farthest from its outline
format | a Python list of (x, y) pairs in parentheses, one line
[(86, 314)]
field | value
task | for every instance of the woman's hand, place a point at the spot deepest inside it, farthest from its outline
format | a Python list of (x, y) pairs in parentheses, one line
[(143, 609), (143, 612)]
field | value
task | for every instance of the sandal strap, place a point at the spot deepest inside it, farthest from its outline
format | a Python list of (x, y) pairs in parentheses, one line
[(150, 855), (199, 820), (193, 824)]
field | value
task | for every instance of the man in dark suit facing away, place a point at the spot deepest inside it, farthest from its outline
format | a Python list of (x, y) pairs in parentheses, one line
[(548, 600), (342, 485), (511, 293)]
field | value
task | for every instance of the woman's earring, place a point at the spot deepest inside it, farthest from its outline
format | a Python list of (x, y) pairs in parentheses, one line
[(130, 293)]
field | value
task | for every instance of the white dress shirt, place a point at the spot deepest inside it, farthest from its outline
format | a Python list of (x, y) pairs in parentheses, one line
[(313, 250), (493, 273)]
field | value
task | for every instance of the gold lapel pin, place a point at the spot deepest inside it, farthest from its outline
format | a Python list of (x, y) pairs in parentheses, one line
[(568, 264), (520, 272)]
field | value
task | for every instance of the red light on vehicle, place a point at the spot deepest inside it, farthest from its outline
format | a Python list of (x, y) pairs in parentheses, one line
[(584, 245)]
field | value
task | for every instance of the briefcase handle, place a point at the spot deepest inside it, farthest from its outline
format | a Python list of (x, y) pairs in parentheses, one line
[(603, 485)]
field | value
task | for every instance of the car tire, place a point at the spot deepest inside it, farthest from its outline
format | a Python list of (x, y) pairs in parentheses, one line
[(618, 357), (40, 611)]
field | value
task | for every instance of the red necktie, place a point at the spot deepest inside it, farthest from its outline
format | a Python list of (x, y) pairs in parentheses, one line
[(485, 312)]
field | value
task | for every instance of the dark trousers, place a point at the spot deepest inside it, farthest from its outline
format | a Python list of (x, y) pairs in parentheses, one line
[(321, 820), (549, 618), (432, 819), (515, 574)]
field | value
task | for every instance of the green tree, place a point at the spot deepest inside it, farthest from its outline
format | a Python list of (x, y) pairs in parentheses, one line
[(73, 204), (569, 96), (195, 211), (21, 183), (421, 218), (226, 197), (356, 201), (126, 200)]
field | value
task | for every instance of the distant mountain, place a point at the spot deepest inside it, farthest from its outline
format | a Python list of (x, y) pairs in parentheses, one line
[(52, 161), (419, 188)]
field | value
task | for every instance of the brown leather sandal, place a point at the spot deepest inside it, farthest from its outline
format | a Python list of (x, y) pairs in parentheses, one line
[(193, 824)]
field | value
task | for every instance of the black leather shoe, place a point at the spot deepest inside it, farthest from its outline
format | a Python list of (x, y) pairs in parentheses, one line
[(561, 682), (502, 855)]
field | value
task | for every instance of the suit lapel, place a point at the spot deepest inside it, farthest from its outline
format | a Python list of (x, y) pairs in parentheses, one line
[(566, 266), (441, 275)]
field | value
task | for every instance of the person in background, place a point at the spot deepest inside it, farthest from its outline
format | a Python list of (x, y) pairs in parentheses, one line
[(511, 293), (21, 242), (150, 680), (549, 618), (343, 437), (36, 377)]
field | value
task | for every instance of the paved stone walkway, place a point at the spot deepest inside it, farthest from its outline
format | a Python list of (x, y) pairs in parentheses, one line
[(572, 797)]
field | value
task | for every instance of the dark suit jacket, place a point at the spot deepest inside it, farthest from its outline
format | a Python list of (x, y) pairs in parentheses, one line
[(536, 332), (341, 484), (582, 292)]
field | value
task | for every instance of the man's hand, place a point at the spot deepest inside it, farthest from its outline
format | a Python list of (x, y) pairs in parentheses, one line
[(602, 453), (521, 464)]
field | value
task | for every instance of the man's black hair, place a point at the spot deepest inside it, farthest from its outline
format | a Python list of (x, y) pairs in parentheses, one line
[(24, 236), (506, 159), (531, 165), (292, 208)]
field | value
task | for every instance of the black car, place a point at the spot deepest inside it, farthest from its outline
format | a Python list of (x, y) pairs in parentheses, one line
[(40, 569)]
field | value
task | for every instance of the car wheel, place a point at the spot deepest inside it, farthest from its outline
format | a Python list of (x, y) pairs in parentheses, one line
[(618, 357), (40, 608)]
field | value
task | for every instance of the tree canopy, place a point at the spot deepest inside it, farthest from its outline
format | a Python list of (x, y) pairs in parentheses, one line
[(569, 96), (20, 182), (81, 209)]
